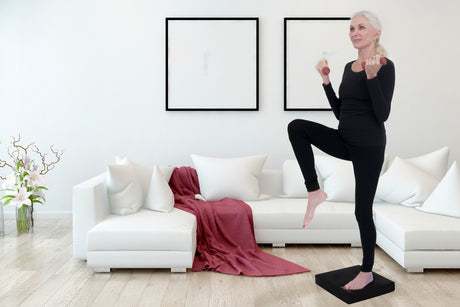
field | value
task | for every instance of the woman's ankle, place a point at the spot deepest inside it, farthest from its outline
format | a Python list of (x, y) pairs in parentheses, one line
[(316, 192)]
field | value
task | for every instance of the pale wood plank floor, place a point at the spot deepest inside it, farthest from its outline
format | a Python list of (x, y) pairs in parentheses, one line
[(37, 269)]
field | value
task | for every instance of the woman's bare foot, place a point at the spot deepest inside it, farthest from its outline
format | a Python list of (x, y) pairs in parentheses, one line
[(360, 281), (315, 198)]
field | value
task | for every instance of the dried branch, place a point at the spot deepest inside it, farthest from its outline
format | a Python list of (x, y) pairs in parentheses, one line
[(16, 145), (3, 163), (15, 150), (13, 154), (48, 166), (42, 156)]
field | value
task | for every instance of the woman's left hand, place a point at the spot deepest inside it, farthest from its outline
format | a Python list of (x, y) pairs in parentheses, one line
[(373, 66)]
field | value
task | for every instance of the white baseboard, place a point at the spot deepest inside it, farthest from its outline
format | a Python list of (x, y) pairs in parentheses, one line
[(42, 214)]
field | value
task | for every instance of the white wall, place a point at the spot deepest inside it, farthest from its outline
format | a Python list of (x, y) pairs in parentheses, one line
[(88, 76)]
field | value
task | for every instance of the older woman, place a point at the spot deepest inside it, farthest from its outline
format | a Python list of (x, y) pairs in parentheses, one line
[(362, 108)]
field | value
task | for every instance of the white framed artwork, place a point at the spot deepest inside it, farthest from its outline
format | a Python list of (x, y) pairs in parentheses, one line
[(212, 64)]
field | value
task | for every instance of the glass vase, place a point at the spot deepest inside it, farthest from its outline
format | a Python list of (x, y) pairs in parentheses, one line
[(23, 219)]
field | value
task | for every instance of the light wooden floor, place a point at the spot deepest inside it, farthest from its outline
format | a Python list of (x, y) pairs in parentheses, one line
[(37, 269)]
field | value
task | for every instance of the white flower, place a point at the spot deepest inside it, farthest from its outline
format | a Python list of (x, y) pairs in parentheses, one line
[(21, 171), (39, 193), (9, 182), (26, 160), (21, 198), (34, 179), (9, 192)]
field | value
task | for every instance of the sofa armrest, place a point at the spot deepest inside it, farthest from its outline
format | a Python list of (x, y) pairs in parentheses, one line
[(90, 206)]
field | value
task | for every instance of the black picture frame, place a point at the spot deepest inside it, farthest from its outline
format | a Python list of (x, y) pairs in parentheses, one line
[(304, 38), (220, 58)]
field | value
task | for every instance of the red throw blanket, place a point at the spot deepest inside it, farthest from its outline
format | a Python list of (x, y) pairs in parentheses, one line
[(225, 233)]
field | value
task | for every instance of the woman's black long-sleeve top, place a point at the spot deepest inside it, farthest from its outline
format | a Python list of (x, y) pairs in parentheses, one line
[(364, 105)]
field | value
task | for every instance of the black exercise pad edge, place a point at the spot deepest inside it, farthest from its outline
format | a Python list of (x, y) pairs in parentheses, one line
[(333, 281)]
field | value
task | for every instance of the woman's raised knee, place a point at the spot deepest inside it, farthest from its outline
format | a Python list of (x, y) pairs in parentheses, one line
[(294, 126)]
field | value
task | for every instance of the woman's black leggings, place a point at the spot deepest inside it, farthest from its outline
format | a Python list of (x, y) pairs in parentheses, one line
[(367, 164)]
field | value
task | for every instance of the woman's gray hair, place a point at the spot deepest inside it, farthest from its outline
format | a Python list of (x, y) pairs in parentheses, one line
[(375, 23)]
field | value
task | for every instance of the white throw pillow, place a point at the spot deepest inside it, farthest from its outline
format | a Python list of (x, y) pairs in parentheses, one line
[(434, 163), (403, 183), (159, 197), (144, 173), (293, 181), (229, 177), (445, 199), (338, 178), (124, 192)]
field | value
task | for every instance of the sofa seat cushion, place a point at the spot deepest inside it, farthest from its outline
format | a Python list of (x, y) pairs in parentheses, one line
[(288, 213), (145, 230), (411, 229)]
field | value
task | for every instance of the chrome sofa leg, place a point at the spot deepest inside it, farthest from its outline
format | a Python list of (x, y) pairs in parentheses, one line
[(178, 270), (414, 270)]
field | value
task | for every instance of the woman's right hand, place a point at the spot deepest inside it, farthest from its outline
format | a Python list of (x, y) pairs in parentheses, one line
[(319, 68)]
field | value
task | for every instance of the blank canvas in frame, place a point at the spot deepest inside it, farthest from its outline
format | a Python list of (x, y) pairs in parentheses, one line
[(212, 64), (306, 42)]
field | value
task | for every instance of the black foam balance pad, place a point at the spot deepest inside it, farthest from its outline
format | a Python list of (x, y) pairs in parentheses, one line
[(333, 282)]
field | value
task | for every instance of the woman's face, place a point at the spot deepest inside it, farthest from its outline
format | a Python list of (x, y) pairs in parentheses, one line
[(362, 34)]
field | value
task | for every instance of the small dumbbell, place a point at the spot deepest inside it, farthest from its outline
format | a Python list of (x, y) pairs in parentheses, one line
[(383, 61)]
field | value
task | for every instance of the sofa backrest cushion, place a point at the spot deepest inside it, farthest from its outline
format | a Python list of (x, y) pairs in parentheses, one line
[(293, 181), (270, 182), (404, 183), (229, 177), (338, 176), (434, 163)]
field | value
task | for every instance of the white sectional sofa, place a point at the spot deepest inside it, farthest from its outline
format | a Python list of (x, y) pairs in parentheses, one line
[(150, 239), (417, 240)]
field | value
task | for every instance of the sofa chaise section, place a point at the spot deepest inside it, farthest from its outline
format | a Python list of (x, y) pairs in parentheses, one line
[(146, 239), (417, 240), (154, 239)]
